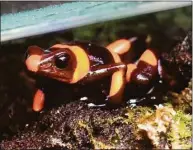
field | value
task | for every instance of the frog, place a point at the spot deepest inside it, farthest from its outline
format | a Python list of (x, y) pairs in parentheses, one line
[(86, 65)]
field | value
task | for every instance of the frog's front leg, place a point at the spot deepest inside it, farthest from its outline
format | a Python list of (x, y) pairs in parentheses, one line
[(38, 100)]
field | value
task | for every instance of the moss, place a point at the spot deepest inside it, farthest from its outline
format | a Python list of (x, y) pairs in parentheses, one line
[(166, 124), (180, 132)]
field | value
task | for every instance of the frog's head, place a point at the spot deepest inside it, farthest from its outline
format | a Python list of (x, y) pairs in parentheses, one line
[(66, 63)]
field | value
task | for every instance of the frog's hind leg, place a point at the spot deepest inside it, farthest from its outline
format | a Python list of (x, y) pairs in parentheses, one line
[(142, 76), (121, 46), (145, 70)]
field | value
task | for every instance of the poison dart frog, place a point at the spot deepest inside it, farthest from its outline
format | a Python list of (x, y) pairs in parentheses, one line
[(86, 64)]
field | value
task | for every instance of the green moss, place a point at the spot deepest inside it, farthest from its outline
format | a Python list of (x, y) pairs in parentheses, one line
[(166, 123), (180, 132), (184, 124)]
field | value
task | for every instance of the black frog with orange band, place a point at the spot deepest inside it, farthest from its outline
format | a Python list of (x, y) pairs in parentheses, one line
[(84, 62)]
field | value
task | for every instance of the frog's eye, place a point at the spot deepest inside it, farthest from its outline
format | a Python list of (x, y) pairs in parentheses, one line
[(62, 60)]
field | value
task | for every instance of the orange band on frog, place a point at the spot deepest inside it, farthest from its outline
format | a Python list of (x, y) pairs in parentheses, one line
[(149, 57), (130, 69), (117, 82), (82, 62), (38, 101), (117, 87), (120, 46)]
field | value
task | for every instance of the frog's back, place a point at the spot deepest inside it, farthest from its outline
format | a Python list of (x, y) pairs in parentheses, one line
[(98, 55)]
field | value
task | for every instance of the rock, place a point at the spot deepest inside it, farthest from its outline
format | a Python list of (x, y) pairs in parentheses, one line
[(178, 63)]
